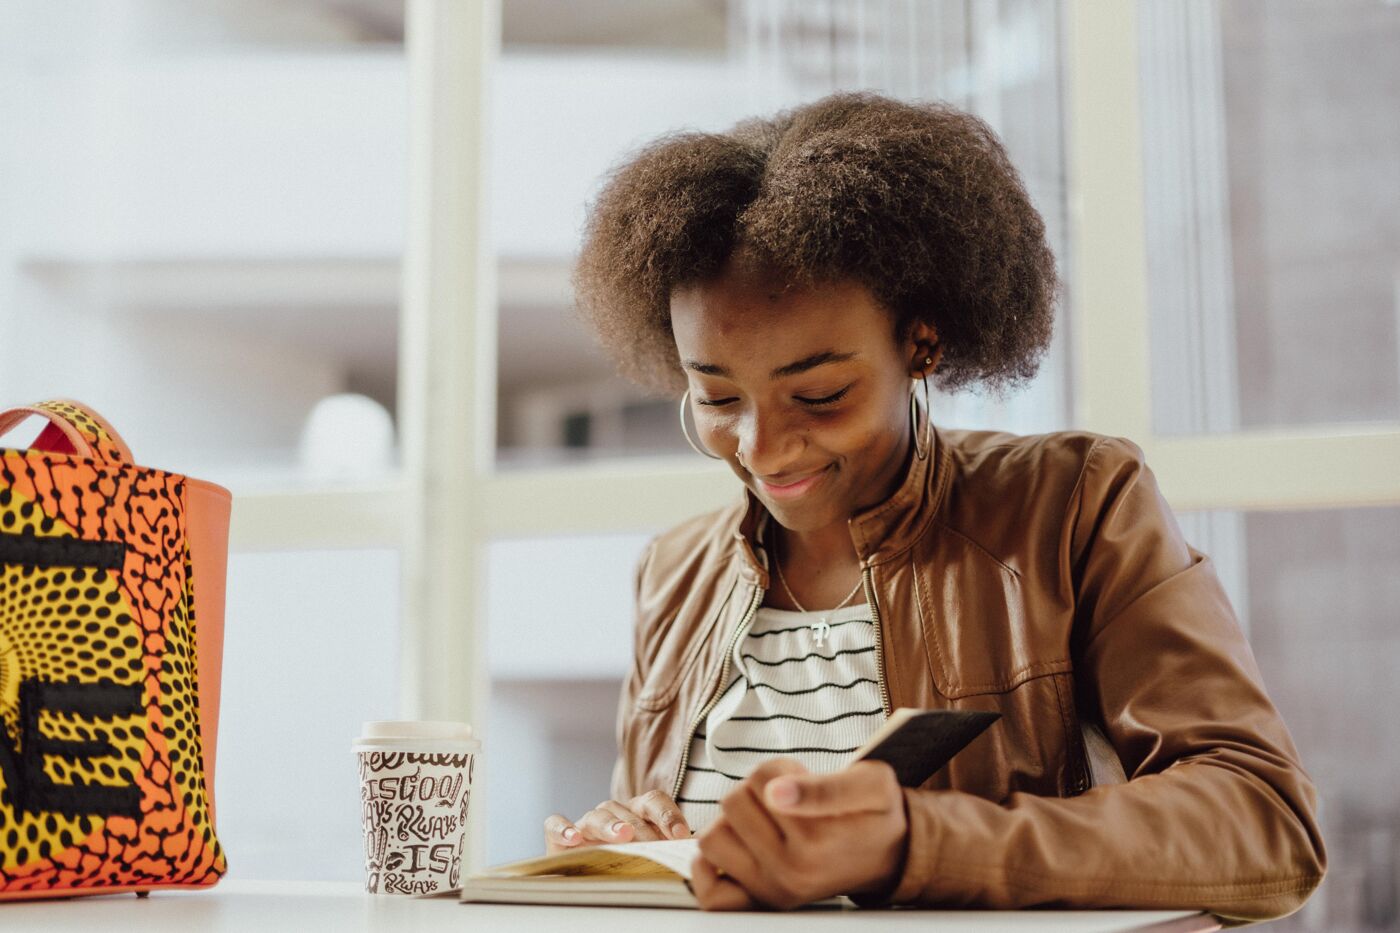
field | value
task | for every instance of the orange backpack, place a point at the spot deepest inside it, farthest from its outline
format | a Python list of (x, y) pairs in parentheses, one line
[(111, 638)]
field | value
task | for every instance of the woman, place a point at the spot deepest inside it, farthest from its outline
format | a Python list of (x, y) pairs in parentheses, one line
[(801, 279)]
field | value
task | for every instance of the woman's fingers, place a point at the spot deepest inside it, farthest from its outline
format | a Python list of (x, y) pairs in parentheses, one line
[(662, 812), (864, 787), (610, 821), (597, 826), (559, 833), (714, 892), (648, 817), (743, 809), (627, 821)]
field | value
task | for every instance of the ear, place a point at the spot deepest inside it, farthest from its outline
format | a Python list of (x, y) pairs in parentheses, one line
[(923, 349)]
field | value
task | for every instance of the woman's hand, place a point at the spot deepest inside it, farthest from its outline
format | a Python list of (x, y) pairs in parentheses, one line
[(650, 816), (788, 837)]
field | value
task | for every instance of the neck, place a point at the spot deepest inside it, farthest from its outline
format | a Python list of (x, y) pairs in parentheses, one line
[(815, 570), (822, 547)]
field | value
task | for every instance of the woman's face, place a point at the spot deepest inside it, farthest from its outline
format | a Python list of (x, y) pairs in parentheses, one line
[(804, 392)]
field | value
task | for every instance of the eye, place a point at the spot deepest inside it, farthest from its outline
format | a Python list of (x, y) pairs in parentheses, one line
[(835, 397), (713, 402)]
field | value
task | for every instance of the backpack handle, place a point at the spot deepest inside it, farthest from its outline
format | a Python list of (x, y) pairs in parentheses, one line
[(73, 428)]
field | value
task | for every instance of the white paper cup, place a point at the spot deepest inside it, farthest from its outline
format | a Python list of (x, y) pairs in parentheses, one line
[(415, 784)]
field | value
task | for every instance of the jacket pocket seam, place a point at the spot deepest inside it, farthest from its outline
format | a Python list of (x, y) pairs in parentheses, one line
[(932, 647), (981, 550), (944, 681), (1076, 760), (1019, 679)]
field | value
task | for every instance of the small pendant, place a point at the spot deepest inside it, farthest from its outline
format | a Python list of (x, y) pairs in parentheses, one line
[(820, 630)]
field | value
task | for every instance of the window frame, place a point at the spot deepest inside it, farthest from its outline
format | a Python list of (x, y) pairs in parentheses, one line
[(450, 501)]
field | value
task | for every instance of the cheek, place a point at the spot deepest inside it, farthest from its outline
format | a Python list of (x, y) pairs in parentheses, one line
[(868, 446), (867, 433), (718, 431)]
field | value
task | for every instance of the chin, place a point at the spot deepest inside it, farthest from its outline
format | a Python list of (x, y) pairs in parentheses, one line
[(804, 516)]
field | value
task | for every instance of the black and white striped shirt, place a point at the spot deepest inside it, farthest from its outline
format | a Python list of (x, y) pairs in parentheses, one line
[(796, 692)]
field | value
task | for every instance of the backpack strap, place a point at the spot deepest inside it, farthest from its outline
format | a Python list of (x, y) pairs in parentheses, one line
[(73, 428)]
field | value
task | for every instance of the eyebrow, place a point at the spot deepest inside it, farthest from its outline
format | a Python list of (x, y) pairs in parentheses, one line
[(790, 369)]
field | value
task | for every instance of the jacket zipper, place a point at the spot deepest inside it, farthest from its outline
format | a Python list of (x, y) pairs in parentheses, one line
[(868, 576), (718, 690)]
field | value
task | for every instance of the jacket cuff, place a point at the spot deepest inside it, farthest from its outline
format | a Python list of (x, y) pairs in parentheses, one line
[(919, 854)]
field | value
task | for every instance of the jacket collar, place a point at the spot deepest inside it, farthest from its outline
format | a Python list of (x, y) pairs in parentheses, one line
[(878, 533)]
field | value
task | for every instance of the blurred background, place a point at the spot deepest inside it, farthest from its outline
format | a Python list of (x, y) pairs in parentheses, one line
[(204, 216)]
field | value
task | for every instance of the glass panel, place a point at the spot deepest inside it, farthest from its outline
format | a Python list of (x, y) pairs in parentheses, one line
[(204, 206), (559, 614), (551, 748), (1271, 197), (1319, 592), (608, 81), (311, 652)]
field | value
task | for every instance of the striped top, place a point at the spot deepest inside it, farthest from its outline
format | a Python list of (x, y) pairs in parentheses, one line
[(788, 696)]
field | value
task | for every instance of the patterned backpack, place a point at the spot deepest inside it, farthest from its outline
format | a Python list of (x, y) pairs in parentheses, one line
[(111, 638)]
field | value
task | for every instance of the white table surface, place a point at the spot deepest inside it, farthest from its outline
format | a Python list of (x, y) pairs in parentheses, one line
[(309, 907)]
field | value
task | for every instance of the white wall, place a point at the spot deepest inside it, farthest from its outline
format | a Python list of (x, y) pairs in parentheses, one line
[(562, 121), (310, 654), (233, 155), (123, 180), (561, 608), (304, 155)]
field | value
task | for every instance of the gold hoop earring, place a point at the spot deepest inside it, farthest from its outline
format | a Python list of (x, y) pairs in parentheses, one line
[(685, 404), (914, 432)]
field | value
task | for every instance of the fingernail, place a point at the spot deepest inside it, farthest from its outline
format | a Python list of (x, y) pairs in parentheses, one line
[(678, 830), (783, 793), (570, 834), (616, 828)]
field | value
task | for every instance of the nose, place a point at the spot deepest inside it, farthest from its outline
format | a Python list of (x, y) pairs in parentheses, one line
[(769, 445)]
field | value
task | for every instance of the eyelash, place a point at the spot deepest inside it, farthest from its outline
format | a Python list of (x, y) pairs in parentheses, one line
[(834, 397), (815, 402)]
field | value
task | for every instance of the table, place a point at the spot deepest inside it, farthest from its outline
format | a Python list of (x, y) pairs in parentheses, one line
[(309, 907)]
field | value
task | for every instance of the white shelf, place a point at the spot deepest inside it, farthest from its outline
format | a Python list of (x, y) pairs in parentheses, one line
[(357, 517)]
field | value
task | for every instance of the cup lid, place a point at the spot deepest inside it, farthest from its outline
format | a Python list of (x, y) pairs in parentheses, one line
[(420, 729)]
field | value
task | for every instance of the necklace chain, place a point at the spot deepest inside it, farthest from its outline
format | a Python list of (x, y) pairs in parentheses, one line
[(777, 563)]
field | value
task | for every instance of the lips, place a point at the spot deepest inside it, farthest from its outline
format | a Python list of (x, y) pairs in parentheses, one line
[(792, 489)]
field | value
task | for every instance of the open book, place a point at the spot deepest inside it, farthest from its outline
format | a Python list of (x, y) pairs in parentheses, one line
[(627, 874), (915, 743)]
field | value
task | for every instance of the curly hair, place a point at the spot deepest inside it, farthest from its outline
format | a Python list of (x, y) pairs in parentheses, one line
[(917, 202)]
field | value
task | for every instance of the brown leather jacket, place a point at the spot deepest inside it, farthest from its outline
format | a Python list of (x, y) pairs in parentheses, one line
[(1044, 578)]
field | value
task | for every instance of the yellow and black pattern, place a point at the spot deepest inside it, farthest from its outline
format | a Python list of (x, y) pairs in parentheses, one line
[(54, 620), (101, 765)]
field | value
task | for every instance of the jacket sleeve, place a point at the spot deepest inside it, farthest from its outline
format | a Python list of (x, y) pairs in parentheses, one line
[(1217, 813), (621, 785)]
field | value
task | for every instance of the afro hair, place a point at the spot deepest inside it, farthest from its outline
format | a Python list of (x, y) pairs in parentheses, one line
[(916, 201)]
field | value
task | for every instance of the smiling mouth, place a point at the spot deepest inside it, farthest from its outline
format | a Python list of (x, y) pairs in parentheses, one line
[(793, 489)]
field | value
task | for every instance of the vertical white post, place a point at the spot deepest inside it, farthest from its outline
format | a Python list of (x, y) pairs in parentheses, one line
[(447, 369), (1187, 216), (1109, 257), (446, 356)]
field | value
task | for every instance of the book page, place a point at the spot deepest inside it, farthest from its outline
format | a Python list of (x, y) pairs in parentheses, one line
[(675, 854), (663, 859)]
